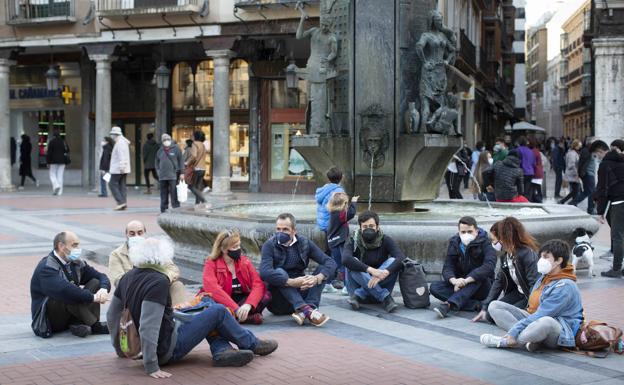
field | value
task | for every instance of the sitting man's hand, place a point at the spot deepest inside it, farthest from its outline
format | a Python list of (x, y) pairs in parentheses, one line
[(295, 282), (160, 374), (373, 282), (383, 274), (101, 296), (309, 282), (243, 312), (482, 316)]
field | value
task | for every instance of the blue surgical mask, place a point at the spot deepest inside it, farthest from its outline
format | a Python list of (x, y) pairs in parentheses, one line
[(133, 241), (282, 238), (74, 254)]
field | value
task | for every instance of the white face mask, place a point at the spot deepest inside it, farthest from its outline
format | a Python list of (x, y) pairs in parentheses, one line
[(490, 160), (544, 266), (136, 240), (167, 143), (497, 246), (466, 238), (104, 143)]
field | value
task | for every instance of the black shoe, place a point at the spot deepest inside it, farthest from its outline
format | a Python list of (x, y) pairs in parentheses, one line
[(233, 358), (612, 274), (99, 328), (80, 330), (389, 304), (265, 347), (442, 310), (354, 302)]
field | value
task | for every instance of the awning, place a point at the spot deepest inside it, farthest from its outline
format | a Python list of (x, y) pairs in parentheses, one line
[(526, 126)]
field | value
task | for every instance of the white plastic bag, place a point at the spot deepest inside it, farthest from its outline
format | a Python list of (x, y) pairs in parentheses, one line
[(107, 177), (182, 191)]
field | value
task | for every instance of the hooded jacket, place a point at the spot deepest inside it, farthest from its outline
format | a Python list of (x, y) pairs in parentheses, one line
[(120, 157), (571, 172), (525, 264), (610, 185), (527, 159), (507, 177), (322, 197), (149, 154), (478, 261)]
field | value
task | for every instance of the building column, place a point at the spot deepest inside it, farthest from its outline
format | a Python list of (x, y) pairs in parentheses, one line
[(608, 90), (254, 134), (5, 127), (86, 95), (221, 129), (162, 112), (103, 108)]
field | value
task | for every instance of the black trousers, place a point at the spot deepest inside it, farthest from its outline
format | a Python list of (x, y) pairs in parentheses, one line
[(575, 189), (168, 189), (467, 298), (528, 187), (146, 173), (197, 185), (118, 188), (453, 182), (62, 314), (558, 182)]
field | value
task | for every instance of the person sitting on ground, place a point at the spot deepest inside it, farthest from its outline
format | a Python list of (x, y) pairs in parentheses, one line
[(468, 270), (372, 261), (517, 269), (555, 311), (231, 279), (341, 212), (484, 163), (119, 262), (324, 193), (506, 179), (74, 290), (285, 257), (144, 291)]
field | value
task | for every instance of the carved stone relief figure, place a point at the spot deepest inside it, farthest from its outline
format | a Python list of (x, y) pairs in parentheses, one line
[(374, 136), (412, 118), (436, 49), (319, 70), (444, 119)]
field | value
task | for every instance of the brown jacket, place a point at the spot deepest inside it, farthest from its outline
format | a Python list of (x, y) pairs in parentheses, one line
[(198, 156)]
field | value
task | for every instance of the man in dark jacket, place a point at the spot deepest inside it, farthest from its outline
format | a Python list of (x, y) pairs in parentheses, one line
[(468, 270), (107, 149), (170, 165), (373, 261), (609, 198), (587, 173), (57, 158), (149, 161), (285, 257), (507, 179), (72, 289), (558, 164)]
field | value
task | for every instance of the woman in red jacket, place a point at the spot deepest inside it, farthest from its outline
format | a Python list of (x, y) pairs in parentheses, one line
[(231, 279)]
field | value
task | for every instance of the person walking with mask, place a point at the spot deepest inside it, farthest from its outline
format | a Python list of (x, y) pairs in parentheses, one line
[(571, 172), (57, 156), (149, 158), (25, 169), (169, 164), (119, 168), (107, 150)]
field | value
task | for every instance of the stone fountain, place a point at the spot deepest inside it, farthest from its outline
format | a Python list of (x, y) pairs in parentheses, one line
[(383, 96)]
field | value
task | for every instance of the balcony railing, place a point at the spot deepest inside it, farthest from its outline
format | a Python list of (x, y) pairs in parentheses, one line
[(40, 11), (467, 50), (119, 8), (271, 3), (575, 105)]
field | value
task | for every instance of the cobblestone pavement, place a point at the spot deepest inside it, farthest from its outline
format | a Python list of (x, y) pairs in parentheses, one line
[(365, 347)]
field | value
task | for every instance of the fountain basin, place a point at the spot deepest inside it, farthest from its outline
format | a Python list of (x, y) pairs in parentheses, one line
[(422, 235)]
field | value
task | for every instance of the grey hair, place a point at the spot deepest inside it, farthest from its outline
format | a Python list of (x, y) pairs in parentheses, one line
[(153, 251), (59, 238)]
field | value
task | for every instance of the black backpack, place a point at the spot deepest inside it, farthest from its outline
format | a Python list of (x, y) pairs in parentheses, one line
[(413, 285)]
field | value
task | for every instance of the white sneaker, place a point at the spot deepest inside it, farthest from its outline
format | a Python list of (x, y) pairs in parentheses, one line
[(317, 318), (344, 291), (329, 289), (491, 341), (20, 187), (37, 183)]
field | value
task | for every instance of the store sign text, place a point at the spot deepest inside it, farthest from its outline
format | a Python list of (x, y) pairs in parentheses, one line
[(33, 93)]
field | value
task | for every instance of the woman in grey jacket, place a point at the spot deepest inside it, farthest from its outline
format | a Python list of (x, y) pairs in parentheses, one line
[(571, 172)]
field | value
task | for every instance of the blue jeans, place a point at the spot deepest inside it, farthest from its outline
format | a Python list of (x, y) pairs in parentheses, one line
[(589, 186), (285, 300), (215, 318), (357, 283), (336, 253), (103, 189), (468, 297)]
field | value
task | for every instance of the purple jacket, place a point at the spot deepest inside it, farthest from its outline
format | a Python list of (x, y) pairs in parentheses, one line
[(527, 159)]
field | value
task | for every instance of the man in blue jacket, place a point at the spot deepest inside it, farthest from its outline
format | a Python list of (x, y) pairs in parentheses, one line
[(323, 194), (468, 271), (285, 257), (70, 290)]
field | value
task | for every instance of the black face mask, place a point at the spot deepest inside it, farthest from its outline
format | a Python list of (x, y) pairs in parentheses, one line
[(234, 254), (369, 235)]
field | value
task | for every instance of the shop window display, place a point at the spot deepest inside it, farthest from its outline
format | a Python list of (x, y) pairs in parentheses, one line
[(47, 122), (286, 162)]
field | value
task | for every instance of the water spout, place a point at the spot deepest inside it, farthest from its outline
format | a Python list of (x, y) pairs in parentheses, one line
[(370, 183), (457, 158)]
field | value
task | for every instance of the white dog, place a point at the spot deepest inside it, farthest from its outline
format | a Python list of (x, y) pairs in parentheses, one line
[(583, 249)]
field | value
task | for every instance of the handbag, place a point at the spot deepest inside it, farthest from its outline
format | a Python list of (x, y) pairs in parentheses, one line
[(188, 175), (40, 323), (595, 336), (128, 336), (413, 285)]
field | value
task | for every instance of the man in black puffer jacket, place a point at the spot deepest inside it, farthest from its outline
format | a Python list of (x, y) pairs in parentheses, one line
[(468, 270), (507, 179), (609, 197)]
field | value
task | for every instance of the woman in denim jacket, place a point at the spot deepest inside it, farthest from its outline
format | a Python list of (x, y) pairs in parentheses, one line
[(555, 312)]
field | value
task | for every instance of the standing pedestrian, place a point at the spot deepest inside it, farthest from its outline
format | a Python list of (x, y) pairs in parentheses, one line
[(57, 157), (105, 160), (571, 172), (538, 175), (500, 150), (484, 163), (453, 179), (466, 155), (587, 173), (197, 162), (609, 198), (119, 168), (527, 161), (13, 144), (149, 158), (25, 169), (557, 154), (169, 164)]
